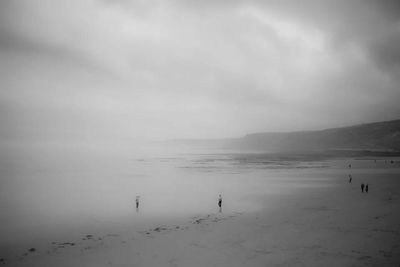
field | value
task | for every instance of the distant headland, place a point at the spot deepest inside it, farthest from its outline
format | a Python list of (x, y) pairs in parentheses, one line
[(377, 138)]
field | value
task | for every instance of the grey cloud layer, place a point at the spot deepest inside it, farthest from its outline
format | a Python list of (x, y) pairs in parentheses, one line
[(214, 68)]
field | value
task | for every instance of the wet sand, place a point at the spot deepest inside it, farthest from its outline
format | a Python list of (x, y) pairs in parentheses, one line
[(324, 221)]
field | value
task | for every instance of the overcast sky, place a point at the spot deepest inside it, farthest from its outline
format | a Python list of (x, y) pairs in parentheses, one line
[(115, 69)]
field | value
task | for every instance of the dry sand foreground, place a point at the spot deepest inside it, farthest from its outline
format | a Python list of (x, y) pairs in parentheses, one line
[(332, 225)]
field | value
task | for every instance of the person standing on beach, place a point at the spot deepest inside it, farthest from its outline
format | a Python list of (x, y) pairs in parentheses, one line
[(137, 203), (220, 203), (350, 178), (366, 188), (362, 188)]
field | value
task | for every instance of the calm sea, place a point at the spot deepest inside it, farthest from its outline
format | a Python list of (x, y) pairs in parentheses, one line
[(56, 190)]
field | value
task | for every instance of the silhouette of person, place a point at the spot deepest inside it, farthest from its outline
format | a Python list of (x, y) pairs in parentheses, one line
[(362, 188), (366, 188), (220, 203), (350, 178), (137, 203), (349, 166)]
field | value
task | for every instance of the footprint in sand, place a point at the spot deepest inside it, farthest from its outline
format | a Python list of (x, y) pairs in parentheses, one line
[(160, 229), (64, 245), (194, 220), (198, 221), (88, 237)]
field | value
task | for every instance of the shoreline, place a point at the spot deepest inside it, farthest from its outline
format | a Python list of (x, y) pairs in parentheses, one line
[(328, 224)]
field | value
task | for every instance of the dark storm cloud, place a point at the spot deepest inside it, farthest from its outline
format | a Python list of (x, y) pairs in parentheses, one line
[(374, 25), (13, 43), (386, 51)]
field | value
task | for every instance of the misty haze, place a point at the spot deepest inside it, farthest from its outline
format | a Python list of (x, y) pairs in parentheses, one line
[(199, 133)]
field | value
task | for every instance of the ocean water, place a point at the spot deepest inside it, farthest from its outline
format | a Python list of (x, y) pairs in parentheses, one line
[(73, 190)]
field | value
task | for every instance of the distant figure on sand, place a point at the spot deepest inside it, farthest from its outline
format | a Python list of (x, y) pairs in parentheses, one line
[(350, 178), (349, 166), (137, 203), (362, 188), (220, 203), (366, 188)]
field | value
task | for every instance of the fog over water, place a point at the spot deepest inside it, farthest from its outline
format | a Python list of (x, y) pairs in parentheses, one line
[(50, 189)]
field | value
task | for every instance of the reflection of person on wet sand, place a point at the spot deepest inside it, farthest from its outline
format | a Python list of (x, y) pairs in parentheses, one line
[(137, 203), (350, 178), (220, 203), (362, 188), (366, 188)]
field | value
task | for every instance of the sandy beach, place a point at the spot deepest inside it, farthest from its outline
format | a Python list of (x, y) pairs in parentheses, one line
[(323, 220), (199, 133)]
